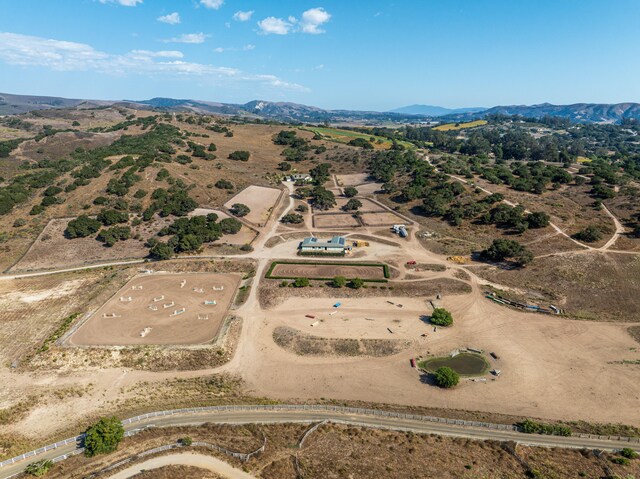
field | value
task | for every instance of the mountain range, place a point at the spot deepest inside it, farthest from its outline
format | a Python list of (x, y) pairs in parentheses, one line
[(294, 112), (432, 110)]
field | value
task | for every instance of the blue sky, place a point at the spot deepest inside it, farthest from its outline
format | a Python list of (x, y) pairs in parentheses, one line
[(352, 54)]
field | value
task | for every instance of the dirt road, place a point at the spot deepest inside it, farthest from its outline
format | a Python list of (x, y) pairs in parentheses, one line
[(185, 459)]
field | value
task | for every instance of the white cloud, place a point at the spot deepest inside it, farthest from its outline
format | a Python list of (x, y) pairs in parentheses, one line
[(171, 19), (125, 3), (59, 55), (214, 4), (276, 26), (241, 16), (188, 38), (318, 67), (313, 18), (245, 48), (311, 22), (160, 54)]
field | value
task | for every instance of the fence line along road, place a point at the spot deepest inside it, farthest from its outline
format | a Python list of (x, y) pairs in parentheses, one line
[(338, 413)]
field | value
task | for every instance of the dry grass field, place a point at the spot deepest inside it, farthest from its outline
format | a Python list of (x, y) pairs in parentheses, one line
[(335, 220), (594, 286), (460, 126), (260, 201), (161, 309), (341, 451), (31, 309), (382, 218)]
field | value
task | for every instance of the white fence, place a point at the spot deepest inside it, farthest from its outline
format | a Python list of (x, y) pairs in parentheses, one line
[(317, 408)]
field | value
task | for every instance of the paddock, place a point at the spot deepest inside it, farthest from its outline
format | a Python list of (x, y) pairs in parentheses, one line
[(161, 309)]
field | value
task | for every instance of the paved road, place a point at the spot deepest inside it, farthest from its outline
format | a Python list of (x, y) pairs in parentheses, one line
[(284, 416)]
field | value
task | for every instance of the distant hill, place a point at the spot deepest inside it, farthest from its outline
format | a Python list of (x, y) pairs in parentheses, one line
[(431, 110), (578, 112), (295, 112), (17, 104)]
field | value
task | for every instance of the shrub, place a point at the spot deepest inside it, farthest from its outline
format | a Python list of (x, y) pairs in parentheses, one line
[(589, 235), (103, 437), (538, 219), (446, 377), (503, 249), (230, 226), (532, 427), (240, 155), (114, 234), (629, 453), (187, 441), (623, 461), (38, 468), (302, 208), (350, 192), (240, 210), (112, 217), (441, 317), (339, 282), (352, 205), (212, 147), (81, 227), (292, 218), (100, 200), (224, 185), (19, 222), (356, 283), (140, 194), (284, 166), (161, 251), (301, 283)]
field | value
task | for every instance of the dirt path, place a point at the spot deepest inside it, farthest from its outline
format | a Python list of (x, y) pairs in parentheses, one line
[(185, 459), (619, 229)]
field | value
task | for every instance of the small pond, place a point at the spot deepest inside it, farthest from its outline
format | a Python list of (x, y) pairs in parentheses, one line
[(465, 364)]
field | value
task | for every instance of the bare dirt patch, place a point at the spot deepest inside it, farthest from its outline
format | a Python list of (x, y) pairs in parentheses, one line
[(171, 472), (382, 218), (289, 270), (354, 179), (259, 199), (337, 220), (308, 345), (161, 309)]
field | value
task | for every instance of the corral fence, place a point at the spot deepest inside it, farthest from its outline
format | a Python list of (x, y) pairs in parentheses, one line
[(317, 408)]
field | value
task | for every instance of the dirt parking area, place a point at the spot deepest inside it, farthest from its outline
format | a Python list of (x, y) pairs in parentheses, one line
[(161, 309), (346, 220), (260, 201), (290, 270), (382, 218)]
